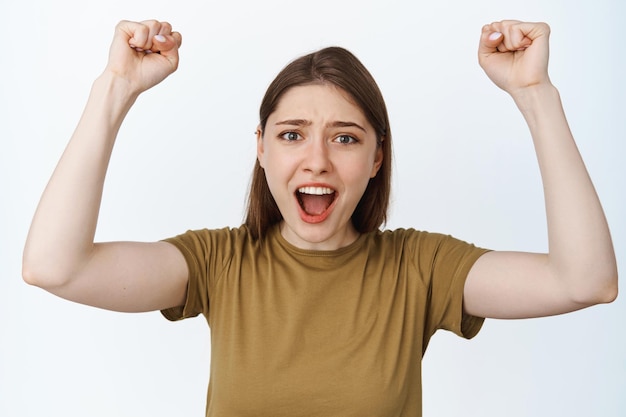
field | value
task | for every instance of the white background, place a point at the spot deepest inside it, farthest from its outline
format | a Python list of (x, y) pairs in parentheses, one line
[(464, 165)]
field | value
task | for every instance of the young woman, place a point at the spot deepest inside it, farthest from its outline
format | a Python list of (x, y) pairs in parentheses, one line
[(313, 310)]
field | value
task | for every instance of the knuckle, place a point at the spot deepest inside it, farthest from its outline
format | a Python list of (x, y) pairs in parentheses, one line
[(150, 25), (122, 24), (166, 28)]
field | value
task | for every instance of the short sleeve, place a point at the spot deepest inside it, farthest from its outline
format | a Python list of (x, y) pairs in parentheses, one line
[(193, 248), (448, 262), (206, 253)]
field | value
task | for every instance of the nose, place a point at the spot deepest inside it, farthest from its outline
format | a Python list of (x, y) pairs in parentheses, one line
[(317, 157)]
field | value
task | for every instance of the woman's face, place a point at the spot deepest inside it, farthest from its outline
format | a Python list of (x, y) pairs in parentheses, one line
[(319, 152)]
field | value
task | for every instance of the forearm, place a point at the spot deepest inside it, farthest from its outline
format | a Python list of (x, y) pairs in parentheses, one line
[(580, 249), (63, 228)]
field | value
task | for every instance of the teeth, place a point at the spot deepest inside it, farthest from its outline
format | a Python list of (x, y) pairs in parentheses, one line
[(315, 190)]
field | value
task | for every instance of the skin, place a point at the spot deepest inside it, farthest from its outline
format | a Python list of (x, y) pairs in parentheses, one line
[(318, 137), (579, 269), (61, 256)]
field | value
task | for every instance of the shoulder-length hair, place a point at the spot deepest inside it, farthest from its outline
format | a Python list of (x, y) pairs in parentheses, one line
[(338, 67)]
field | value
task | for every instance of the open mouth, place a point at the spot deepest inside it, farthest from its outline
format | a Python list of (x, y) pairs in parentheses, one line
[(314, 201)]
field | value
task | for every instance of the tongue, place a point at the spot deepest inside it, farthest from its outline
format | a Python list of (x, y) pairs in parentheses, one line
[(315, 204)]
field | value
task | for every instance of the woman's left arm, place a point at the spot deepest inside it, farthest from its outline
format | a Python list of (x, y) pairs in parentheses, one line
[(579, 269)]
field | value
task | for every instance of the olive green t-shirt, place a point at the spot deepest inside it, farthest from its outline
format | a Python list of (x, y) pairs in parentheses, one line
[(322, 333)]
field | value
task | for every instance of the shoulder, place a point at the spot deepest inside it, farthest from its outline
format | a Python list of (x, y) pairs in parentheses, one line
[(423, 246), (212, 246), (410, 238), (211, 237)]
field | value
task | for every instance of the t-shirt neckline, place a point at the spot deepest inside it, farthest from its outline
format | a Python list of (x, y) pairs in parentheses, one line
[(276, 236)]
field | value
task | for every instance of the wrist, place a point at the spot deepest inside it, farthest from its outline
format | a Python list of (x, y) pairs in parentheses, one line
[(116, 87), (530, 95), (115, 94), (535, 98)]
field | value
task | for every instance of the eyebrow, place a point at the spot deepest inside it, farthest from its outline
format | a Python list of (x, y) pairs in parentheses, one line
[(303, 122)]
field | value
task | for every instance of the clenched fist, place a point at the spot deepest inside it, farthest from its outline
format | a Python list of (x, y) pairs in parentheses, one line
[(514, 54), (144, 53)]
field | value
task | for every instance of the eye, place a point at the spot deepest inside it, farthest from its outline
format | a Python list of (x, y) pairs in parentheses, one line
[(290, 136), (345, 139)]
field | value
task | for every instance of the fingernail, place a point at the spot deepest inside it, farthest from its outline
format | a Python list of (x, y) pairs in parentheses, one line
[(494, 36), (159, 38)]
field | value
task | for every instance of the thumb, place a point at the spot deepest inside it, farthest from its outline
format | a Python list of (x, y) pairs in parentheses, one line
[(489, 41), (167, 46)]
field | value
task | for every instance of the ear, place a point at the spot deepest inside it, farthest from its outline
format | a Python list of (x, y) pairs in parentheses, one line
[(259, 145), (378, 161)]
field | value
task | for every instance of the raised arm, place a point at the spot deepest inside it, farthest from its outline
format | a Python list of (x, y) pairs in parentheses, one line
[(579, 269), (60, 254)]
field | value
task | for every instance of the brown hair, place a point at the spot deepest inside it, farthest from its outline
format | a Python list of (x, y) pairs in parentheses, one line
[(341, 68)]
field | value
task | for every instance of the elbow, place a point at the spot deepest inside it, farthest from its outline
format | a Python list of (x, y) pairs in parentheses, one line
[(51, 271), (610, 294), (31, 277), (38, 276), (609, 291), (600, 289), (605, 295)]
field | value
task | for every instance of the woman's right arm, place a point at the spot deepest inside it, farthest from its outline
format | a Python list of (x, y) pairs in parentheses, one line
[(60, 254)]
